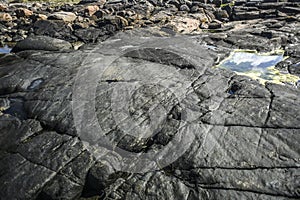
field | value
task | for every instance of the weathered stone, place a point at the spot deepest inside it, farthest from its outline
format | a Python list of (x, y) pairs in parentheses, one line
[(185, 25), (91, 9), (55, 29), (244, 136), (214, 25), (3, 7), (246, 15), (65, 16), (184, 8), (23, 12), (44, 43), (89, 35), (42, 17), (5, 17)]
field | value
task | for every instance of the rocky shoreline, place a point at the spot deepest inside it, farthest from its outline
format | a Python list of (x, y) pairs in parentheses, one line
[(110, 64), (92, 21)]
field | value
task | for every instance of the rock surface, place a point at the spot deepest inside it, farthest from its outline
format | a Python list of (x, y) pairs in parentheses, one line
[(155, 95), (239, 150)]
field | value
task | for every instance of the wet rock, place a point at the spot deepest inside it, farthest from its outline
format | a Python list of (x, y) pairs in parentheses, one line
[(44, 43), (294, 68), (65, 16)]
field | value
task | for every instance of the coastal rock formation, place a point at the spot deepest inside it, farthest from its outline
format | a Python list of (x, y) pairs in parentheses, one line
[(99, 18), (236, 138), (141, 110)]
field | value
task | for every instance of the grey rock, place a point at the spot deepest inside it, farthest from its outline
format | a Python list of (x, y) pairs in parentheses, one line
[(55, 29), (184, 8), (44, 43)]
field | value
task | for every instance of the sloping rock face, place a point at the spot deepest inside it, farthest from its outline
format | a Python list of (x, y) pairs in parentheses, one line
[(144, 117)]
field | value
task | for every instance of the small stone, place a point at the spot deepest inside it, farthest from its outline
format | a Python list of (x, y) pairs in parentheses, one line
[(80, 25), (185, 25), (23, 12), (221, 14), (204, 26), (122, 21), (42, 17), (214, 25), (65, 16), (201, 17), (91, 9), (195, 9), (37, 5), (184, 8), (3, 7), (17, 38), (8, 39), (5, 17)]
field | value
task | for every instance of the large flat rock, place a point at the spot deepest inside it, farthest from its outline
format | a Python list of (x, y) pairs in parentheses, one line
[(144, 117)]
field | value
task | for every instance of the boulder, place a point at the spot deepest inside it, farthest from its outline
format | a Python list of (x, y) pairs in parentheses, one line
[(3, 7), (5, 17), (23, 12), (54, 28), (44, 43), (185, 24), (91, 9)]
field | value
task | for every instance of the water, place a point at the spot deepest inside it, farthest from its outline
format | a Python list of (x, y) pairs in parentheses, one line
[(35, 84), (260, 67), (16, 108), (5, 50)]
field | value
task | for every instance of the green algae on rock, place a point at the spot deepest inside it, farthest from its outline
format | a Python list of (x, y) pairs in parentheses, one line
[(259, 66)]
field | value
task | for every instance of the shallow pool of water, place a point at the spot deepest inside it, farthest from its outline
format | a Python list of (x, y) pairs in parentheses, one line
[(258, 66), (5, 49)]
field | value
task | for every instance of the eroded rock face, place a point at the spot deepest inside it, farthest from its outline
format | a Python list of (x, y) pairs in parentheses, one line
[(235, 137)]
